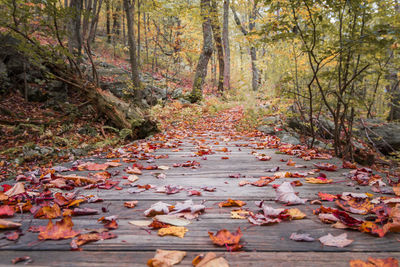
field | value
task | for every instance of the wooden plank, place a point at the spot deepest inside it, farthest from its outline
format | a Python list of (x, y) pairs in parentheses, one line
[(237, 259)]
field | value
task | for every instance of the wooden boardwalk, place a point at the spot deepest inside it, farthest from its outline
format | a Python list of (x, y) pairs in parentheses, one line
[(263, 245)]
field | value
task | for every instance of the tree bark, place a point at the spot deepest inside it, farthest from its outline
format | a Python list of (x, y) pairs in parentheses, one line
[(116, 30), (138, 33), (227, 52), (201, 70), (216, 29), (129, 6), (108, 21), (74, 28)]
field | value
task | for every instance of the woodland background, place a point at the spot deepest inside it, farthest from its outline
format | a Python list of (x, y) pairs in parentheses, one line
[(78, 76)]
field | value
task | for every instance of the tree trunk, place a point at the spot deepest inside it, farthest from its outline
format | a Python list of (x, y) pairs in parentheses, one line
[(116, 20), (394, 89), (74, 28), (253, 53), (138, 34), (227, 52), (216, 29), (108, 21), (145, 38), (201, 70), (129, 6), (93, 25)]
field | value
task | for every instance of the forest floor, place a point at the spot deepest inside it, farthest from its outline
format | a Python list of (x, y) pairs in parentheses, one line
[(199, 171)]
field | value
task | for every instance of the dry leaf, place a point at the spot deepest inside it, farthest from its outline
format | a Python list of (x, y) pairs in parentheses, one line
[(157, 208), (5, 224), (239, 214), (286, 194), (209, 260), (61, 230), (339, 241), (166, 258), (231, 203), (172, 220), (141, 223), (17, 189), (301, 237), (178, 231), (225, 238), (318, 181), (131, 204), (371, 262), (296, 214)]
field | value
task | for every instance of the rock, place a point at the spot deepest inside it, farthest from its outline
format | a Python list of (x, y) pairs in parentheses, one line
[(290, 138), (177, 93), (184, 101), (271, 119), (266, 129), (104, 65), (154, 94), (384, 135)]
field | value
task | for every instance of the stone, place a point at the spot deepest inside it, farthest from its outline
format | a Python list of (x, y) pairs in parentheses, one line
[(266, 129), (271, 119), (290, 138), (177, 93), (385, 136), (184, 101)]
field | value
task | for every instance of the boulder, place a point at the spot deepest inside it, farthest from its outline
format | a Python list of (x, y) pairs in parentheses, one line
[(266, 129), (384, 135), (290, 138), (177, 93)]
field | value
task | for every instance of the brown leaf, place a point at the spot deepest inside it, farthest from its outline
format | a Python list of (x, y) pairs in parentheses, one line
[(48, 212), (91, 237)]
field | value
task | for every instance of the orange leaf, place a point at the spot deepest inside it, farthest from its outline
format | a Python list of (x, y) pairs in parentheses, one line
[(225, 238), (61, 230), (231, 203)]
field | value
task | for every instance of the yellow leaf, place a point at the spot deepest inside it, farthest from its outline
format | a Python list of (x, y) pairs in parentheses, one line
[(239, 214), (318, 181), (296, 214), (178, 231)]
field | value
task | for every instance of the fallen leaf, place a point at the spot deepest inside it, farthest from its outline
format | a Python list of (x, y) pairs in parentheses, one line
[(339, 241), (296, 214), (225, 238), (82, 239), (178, 231), (231, 203), (209, 260), (26, 259), (239, 214), (48, 212), (301, 237), (61, 230), (5, 224), (372, 262), (166, 258), (132, 178), (131, 204), (326, 196), (286, 194), (157, 208), (140, 223), (172, 220), (318, 180), (17, 189), (6, 211), (326, 166)]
